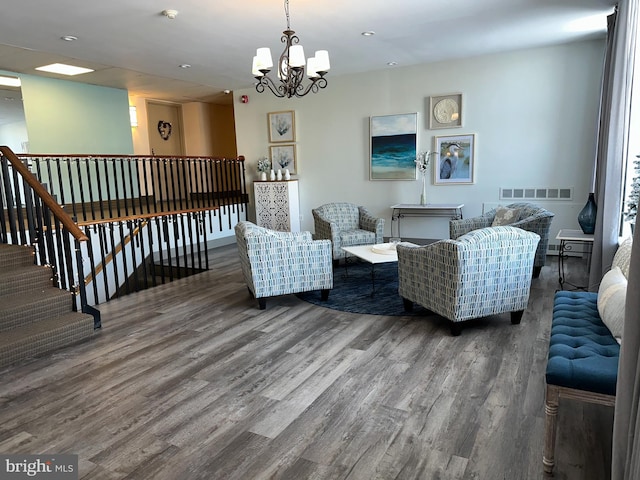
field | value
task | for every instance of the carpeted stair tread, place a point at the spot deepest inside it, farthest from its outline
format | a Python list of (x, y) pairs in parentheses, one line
[(15, 256), (44, 336), (18, 309), (31, 280)]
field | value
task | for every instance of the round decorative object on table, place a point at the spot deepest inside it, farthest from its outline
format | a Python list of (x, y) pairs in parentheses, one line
[(272, 176), (287, 174), (263, 176), (279, 176), (384, 248), (587, 216)]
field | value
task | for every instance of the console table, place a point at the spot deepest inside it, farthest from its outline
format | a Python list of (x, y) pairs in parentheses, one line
[(401, 210), (568, 238)]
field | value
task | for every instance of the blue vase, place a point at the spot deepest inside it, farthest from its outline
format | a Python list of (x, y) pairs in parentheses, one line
[(587, 216)]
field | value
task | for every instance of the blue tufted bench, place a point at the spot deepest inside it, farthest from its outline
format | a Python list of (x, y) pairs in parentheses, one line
[(582, 363)]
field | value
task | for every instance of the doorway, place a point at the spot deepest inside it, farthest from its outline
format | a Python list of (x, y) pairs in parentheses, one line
[(166, 140)]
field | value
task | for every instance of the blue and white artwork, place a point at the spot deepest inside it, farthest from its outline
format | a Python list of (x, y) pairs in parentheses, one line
[(394, 147)]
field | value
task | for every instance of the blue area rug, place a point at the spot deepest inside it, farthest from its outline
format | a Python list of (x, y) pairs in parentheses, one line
[(352, 291)]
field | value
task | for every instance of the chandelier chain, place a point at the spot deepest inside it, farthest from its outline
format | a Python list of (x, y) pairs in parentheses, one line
[(286, 12)]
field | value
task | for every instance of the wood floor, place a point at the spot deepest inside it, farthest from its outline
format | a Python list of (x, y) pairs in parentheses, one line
[(192, 381)]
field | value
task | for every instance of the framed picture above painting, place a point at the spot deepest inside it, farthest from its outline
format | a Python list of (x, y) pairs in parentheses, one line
[(283, 157), (282, 126), (445, 111), (394, 143), (455, 159)]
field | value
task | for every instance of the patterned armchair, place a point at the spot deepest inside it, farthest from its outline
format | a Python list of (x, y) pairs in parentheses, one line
[(277, 263), (346, 225), (529, 217), (484, 272)]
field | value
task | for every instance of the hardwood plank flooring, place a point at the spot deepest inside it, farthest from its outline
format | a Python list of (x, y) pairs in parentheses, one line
[(190, 380)]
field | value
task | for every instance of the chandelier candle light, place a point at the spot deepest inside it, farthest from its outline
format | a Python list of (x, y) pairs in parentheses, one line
[(422, 163), (290, 67)]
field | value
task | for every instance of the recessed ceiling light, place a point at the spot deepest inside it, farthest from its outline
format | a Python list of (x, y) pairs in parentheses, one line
[(64, 69), (185, 65), (170, 14), (9, 81), (368, 33), (69, 38), (392, 64)]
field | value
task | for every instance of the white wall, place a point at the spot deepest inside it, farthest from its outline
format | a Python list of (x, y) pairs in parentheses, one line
[(533, 112), (14, 136)]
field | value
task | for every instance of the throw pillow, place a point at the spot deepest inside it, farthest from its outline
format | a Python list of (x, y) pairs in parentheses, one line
[(623, 256), (505, 216), (611, 299)]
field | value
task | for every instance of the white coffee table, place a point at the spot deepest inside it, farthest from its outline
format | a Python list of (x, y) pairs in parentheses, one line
[(373, 254)]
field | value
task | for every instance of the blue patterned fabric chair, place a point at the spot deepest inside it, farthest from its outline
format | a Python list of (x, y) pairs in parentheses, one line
[(484, 272), (346, 225), (529, 217), (278, 263)]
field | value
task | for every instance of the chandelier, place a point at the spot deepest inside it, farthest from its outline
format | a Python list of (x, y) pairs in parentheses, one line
[(291, 67)]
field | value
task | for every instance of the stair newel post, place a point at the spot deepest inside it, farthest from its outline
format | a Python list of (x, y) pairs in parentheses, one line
[(81, 288)]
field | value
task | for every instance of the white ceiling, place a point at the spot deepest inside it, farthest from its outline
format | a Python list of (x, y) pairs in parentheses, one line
[(132, 45)]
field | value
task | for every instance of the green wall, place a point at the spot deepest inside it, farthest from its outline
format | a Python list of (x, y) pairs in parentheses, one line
[(75, 118)]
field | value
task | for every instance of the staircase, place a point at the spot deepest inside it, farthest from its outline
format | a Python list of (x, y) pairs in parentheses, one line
[(35, 316)]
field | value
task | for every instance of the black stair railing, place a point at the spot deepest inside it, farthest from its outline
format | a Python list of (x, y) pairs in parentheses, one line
[(31, 216), (138, 252), (96, 187), (135, 212)]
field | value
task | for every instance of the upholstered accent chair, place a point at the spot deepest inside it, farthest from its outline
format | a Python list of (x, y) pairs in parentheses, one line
[(346, 225), (526, 216), (485, 272), (278, 263)]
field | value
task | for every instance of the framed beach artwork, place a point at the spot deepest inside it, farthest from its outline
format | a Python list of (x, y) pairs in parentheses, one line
[(394, 143), (283, 157), (282, 126), (455, 160)]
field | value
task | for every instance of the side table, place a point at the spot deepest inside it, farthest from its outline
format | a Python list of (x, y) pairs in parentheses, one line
[(568, 239)]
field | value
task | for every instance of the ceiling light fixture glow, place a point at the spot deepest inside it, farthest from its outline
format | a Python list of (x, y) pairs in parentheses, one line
[(291, 67), (69, 38), (184, 65), (368, 33), (64, 69), (9, 81), (592, 23)]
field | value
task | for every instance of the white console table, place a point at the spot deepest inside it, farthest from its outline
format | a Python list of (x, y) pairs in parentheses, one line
[(277, 205), (401, 210)]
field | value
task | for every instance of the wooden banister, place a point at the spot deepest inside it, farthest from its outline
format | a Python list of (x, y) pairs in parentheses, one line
[(41, 192), (146, 216)]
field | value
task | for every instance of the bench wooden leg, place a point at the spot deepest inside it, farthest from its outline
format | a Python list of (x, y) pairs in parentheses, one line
[(550, 424)]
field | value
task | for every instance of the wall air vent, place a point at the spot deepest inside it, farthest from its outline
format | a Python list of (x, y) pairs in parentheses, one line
[(537, 193)]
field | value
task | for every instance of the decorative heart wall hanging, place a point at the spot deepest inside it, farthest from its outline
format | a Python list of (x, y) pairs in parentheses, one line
[(164, 128)]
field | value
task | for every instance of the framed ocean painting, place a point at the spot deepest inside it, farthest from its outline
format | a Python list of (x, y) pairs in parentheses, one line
[(394, 143)]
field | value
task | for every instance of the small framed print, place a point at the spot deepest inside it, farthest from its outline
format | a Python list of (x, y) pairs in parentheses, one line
[(282, 126), (283, 157), (445, 111), (455, 159)]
